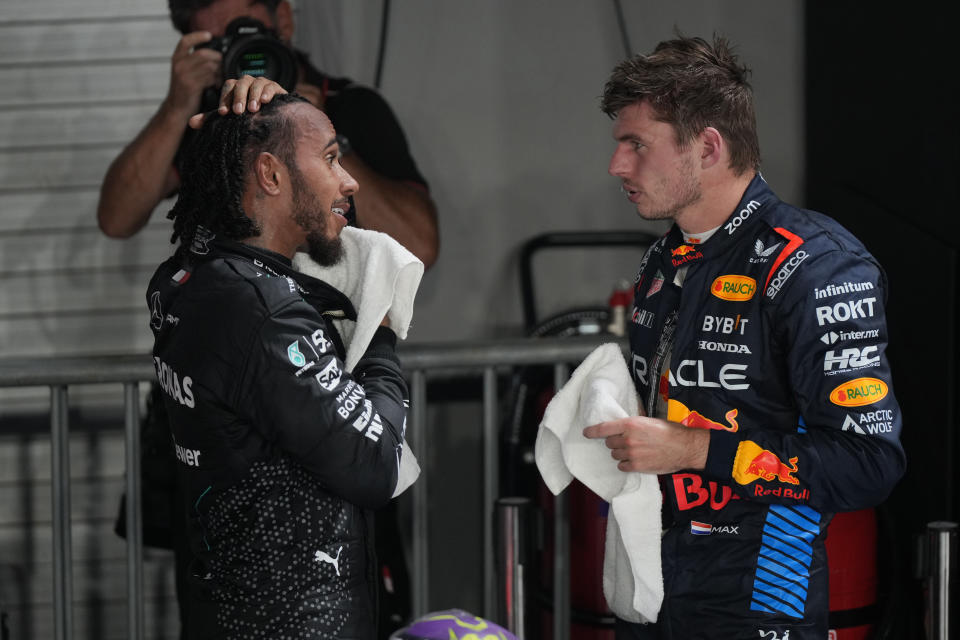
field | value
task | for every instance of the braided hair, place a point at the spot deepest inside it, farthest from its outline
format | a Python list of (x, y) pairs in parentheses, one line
[(214, 167)]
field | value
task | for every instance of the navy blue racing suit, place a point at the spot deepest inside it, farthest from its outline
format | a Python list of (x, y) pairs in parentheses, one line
[(280, 452), (771, 334)]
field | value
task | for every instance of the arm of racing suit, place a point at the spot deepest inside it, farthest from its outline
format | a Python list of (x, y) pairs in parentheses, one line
[(846, 453), (345, 429)]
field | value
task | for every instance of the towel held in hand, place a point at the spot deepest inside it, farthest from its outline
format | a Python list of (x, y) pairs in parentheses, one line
[(380, 277), (599, 390)]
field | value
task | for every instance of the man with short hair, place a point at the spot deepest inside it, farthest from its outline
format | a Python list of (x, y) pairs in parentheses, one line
[(281, 454), (758, 350)]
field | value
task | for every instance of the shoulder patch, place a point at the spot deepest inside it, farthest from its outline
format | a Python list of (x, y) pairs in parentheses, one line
[(786, 267)]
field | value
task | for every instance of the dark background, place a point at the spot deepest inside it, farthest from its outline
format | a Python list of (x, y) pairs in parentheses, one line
[(882, 148)]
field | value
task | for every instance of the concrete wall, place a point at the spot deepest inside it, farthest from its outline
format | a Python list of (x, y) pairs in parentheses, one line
[(500, 103)]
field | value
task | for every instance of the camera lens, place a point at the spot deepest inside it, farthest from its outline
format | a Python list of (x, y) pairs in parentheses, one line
[(261, 56)]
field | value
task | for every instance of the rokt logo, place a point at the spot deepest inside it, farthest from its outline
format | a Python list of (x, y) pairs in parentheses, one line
[(734, 288), (845, 310), (859, 392)]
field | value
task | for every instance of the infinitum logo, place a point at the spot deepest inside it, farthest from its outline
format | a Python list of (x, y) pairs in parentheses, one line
[(836, 289)]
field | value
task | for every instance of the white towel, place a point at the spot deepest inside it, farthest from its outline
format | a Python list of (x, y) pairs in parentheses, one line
[(600, 389), (380, 277)]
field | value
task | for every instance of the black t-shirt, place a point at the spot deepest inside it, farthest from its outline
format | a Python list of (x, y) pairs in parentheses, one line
[(364, 117)]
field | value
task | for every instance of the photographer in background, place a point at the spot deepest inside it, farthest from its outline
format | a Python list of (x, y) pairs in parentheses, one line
[(395, 200)]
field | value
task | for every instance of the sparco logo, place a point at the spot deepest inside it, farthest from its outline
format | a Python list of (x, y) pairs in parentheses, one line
[(785, 272), (741, 216)]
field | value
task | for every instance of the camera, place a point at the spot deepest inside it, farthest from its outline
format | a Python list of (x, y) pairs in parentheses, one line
[(250, 48)]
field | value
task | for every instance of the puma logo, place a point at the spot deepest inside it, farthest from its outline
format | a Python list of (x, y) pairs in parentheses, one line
[(321, 556)]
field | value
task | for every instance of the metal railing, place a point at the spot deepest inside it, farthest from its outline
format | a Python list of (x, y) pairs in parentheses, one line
[(420, 362)]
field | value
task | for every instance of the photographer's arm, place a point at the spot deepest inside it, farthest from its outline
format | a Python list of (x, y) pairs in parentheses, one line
[(401, 210), (143, 174)]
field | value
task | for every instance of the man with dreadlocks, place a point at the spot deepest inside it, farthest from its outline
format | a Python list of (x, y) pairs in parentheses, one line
[(281, 453)]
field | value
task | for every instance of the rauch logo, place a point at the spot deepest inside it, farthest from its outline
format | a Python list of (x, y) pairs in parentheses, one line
[(859, 392), (734, 288)]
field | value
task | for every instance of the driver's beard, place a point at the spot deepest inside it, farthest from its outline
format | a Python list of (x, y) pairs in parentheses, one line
[(308, 214)]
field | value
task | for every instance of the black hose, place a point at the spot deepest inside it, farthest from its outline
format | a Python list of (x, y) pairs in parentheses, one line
[(382, 47), (624, 36)]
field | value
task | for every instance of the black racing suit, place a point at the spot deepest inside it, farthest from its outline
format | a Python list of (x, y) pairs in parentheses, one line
[(280, 452), (774, 332)]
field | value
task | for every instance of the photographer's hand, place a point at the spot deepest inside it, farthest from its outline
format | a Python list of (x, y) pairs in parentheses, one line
[(244, 94), (143, 174), (192, 69)]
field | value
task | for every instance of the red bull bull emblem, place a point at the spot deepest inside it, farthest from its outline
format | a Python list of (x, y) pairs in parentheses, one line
[(684, 253), (678, 412), (756, 463)]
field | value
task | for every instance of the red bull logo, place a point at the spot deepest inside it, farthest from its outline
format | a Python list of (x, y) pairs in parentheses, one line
[(679, 412), (664, 387), (734, 288), (756, 463), (859, 392), (684, 253)]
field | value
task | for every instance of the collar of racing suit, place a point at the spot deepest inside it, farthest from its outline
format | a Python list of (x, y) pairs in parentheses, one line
[(756, 200), (316, 292)]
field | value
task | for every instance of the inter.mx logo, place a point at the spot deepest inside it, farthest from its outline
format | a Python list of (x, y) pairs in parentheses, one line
[(831, 337)]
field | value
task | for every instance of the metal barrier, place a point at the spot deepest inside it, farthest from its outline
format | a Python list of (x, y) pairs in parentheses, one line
[(939, 569), (419, 363)]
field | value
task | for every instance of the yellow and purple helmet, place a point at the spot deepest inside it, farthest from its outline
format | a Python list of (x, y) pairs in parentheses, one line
[(452, 624)]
